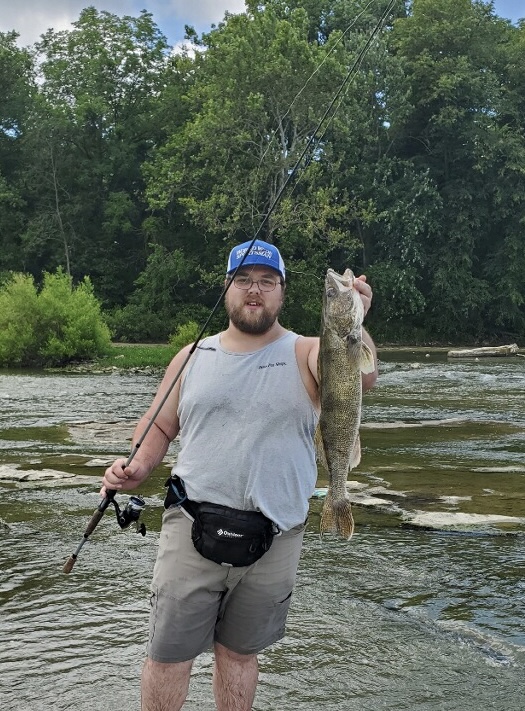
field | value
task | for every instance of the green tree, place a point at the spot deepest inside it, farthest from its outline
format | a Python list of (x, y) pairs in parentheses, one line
[(17, 90), (142, 170), (167, 295), (99, 88), (503, 261), (454, 54), (256, 96)]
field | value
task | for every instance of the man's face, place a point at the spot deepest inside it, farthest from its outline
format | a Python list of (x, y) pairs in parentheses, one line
[(252, 310)]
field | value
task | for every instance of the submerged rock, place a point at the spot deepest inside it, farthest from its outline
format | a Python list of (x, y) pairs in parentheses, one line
[(47, 477), (457, 521)]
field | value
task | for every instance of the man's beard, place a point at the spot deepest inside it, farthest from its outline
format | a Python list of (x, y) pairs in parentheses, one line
[(254, 324)]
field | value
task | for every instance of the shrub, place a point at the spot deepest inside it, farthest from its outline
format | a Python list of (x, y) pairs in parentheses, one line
[(185, 334), (19, 318), (134, 324), (60, 324)]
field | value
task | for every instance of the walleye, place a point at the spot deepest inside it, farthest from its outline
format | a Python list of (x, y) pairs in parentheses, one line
[(343, 356)]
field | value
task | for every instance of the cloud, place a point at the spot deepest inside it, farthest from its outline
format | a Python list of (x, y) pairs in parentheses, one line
[(205, 12), (31, 22), (172, 16), (31, 19)]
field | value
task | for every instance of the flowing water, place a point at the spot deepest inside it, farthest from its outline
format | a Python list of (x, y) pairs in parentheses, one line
[(423, 610)]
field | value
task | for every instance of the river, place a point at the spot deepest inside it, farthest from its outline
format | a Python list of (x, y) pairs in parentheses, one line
[(422, 610)]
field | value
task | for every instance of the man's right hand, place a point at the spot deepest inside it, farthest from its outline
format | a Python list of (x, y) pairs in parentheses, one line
[(121, 478)]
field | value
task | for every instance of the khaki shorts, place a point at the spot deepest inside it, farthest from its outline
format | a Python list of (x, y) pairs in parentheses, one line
[(196, 602)]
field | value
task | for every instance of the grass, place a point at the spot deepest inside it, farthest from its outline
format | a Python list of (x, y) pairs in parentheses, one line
[(136, 355)]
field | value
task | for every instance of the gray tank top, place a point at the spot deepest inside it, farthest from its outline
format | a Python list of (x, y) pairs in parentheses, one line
[(246, 430)]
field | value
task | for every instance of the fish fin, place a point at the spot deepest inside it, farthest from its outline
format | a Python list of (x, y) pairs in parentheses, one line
[(356, 454), (336, 517), (319, 448), (343, 521), (367, 363), (327, 515)]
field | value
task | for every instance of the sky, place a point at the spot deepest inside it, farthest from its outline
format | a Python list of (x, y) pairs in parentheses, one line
[(32, 18)]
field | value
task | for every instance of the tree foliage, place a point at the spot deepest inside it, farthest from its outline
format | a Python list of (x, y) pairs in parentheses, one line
[(141, 169), (52, 326), (92, 130)]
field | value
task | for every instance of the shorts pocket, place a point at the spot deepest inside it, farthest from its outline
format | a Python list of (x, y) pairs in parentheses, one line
[(251, 626), (180, 629), (280, 612)]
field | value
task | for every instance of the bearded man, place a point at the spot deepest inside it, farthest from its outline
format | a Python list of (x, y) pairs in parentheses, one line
[(246, 408)]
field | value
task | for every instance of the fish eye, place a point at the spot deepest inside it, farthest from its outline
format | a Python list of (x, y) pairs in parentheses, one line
[(331, 291)]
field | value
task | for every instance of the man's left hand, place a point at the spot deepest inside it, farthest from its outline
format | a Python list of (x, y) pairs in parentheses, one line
[(365, 291)]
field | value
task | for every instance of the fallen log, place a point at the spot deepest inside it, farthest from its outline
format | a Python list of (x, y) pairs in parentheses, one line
[(486, 351)]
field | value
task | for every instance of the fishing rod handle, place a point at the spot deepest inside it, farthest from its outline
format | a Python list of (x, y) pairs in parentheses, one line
[(95, 519), (93, 523)]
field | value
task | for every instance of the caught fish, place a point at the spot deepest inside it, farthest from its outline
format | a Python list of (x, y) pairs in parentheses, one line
[(343, 356)]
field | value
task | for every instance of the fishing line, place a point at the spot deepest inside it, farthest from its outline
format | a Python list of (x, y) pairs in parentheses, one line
[(350, 75), (315, 71), (311, 275), (110, 494)]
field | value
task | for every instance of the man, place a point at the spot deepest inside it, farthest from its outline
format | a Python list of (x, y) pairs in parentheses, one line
[(246, 409)]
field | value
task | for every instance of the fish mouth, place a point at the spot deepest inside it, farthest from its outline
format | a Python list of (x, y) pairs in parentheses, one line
[(341, 282)]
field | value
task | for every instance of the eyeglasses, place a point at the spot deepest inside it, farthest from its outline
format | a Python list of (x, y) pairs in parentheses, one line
[(264, 284)]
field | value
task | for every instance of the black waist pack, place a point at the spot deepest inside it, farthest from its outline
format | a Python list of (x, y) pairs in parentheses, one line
[(227, 536)]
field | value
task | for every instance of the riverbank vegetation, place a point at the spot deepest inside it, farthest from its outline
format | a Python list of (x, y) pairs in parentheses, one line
[(141, 355), (53, 325), (134, 356), (138, 168)]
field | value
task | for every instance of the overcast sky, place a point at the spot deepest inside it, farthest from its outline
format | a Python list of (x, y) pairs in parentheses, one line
[(31, 18)]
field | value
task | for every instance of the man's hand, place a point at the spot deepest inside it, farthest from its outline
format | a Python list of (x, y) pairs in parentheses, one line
[(121, 478), (365, 291)]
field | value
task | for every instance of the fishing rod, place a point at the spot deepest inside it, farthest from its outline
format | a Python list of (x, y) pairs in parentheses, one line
[(317, 69), (136, 503), (125, 517)]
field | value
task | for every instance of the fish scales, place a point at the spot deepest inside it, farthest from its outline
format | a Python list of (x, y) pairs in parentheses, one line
[(343, 356)]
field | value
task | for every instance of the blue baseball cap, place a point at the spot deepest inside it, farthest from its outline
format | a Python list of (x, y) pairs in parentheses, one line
[(261, 253)]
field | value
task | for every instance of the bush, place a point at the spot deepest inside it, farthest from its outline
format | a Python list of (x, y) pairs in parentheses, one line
[(185, 334), (134, 323), (60, 324), (19, 319)]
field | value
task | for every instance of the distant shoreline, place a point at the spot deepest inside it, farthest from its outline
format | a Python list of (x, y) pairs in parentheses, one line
[(150, 358)]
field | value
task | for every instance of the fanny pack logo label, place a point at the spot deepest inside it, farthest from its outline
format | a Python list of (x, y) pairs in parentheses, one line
[(229, 534)]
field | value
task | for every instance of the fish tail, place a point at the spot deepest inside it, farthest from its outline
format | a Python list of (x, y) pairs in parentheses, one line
[(344, 521), (327, 516), (336, 517)]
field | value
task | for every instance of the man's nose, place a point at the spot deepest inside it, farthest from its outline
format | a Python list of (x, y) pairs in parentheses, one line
[(254, 285)]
